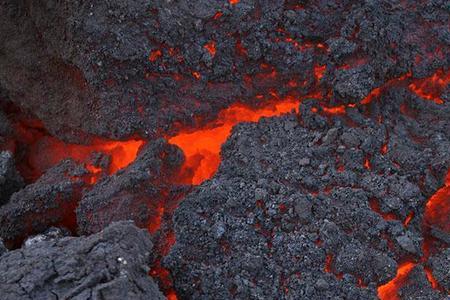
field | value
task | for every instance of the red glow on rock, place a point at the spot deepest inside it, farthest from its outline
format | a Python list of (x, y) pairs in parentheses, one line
[(217, 15), (41, 151), (155, 222), (437, 210), (389, 291), (234, 1), (240, 49), (336, 110), (432, 87), (328, 262), (367, 163), (211, 47), (202, 147), (408, 219), (154, 55), (319, 71), (375, 206), (48, 151), (373, 94), (431, 279), (384, 148)]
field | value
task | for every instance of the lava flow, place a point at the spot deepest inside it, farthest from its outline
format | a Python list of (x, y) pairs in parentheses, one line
[(202, 147), (389, 291), (437, 215), (42, 151)]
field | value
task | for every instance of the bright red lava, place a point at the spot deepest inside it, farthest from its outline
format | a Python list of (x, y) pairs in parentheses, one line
[(431, 88), (48, 151), (389, 291), (437, 214), (43, 151), (437, 211), (202, 146)]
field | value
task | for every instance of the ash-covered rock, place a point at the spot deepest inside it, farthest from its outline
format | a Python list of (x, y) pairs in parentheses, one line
[(50, 234), (50, 200), (10, 179), (136, 193), (314, 210), (440, 266), (111, 264)]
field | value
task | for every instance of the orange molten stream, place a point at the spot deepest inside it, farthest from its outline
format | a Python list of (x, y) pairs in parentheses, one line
[(48, 151), (437, 210), (202, 147), (389, 291), (431, 88), (437, 214)]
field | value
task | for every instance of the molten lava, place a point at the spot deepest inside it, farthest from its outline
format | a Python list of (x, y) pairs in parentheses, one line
[(437, 214), (437, 210), (432, 87), (389, 291), (48, 151), (211, 48), (202, 147), (40, 151)]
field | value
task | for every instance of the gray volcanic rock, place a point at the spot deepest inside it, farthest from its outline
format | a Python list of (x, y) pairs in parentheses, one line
[(109, 265), (10, 179), (440, 266), (50, 200), (121, 67), (134, 193), (269, 225)]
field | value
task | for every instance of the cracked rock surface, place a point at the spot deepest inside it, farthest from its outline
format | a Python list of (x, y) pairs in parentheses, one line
[(111, 264), (294, 211)]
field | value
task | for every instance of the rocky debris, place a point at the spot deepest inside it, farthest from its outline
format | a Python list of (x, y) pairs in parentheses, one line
[(10, 179), (270, 225), (136, 193), (111, 264), (417, 286), (440, 266), (144, 66), (50, 200)]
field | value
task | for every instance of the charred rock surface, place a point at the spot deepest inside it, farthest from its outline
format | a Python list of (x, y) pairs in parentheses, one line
[(10, 179), (307, 206), (136, 193), (121, 67), (108, 265), (50, 200)]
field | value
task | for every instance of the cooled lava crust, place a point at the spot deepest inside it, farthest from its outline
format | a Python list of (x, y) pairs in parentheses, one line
[(272, 149)]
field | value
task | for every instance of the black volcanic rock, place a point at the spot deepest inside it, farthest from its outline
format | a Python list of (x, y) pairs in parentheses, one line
[(109, 265), (10, 179), (134, 193), (440, 266), (125, 67), (291, 213), (50, 200)]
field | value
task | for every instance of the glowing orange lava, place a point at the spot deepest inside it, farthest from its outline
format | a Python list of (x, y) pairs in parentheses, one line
[(319, 71), (211, 47), (48, 151), (431, 88), (375, 206), (234, 1), (328, 262), (389, 291), (154, 55), (202, 147), (437, 210), (431, 279)]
